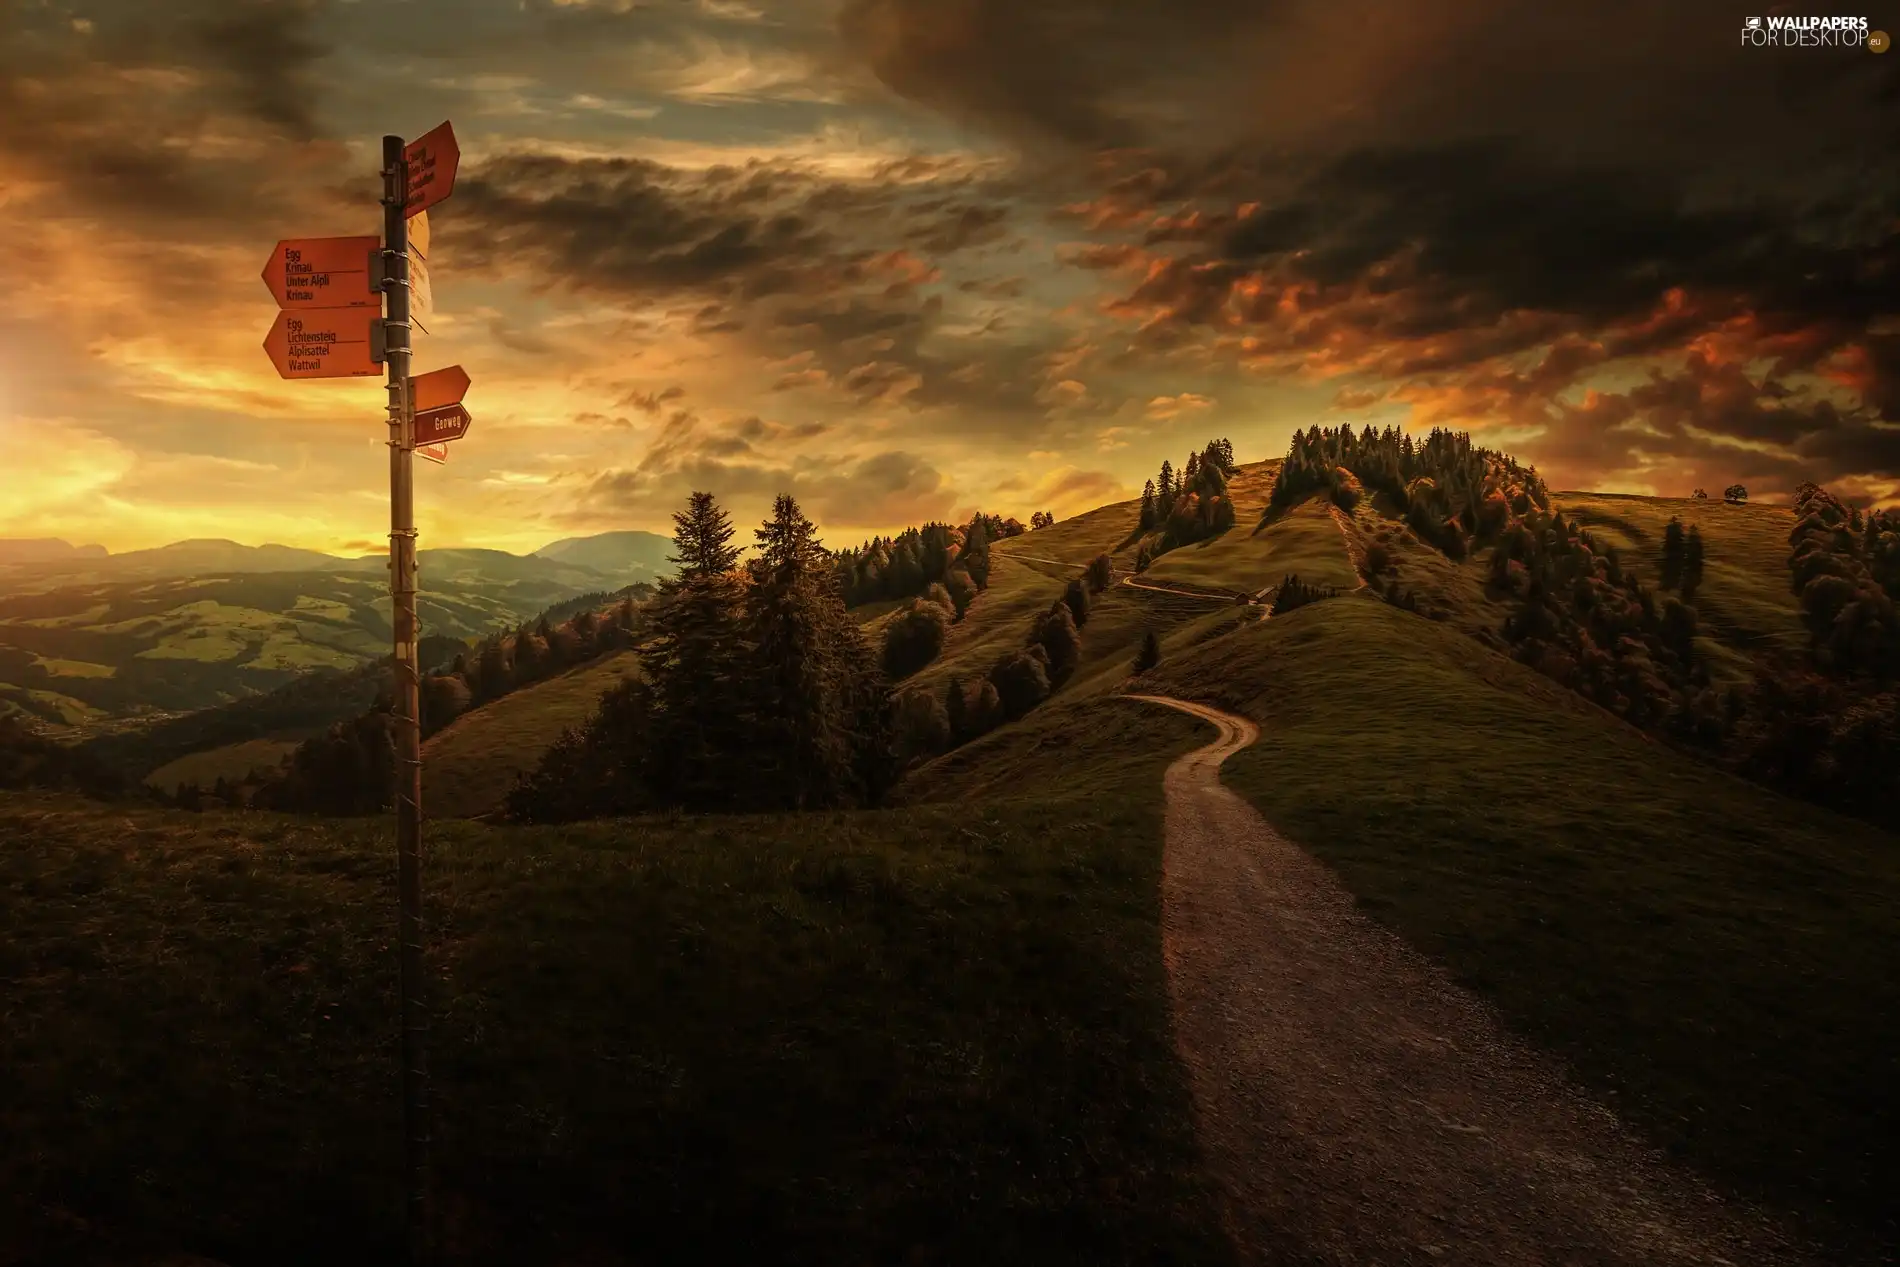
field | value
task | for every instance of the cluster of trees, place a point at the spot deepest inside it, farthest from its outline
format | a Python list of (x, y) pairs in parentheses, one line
[(1179, 508), (29, 760), (926, 726), (1451, 492), (757, 691), (1042, 519), (349, 768), (1587, 621), (909, 564), (1293, 592), (1681, 567), (547, 647), (1845, 568)]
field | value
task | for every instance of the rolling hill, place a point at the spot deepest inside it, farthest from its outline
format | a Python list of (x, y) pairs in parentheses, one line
[(83, 657), (1707, 955), (626, 556)]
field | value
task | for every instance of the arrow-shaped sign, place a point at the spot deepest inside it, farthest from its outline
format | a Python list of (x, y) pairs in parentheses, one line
[(432, 160), (438, 388), (439, 426), (323, 273), (324, 343), (436, 453)]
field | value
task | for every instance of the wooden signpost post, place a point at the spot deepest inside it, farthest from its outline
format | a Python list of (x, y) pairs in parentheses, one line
[(327, 291)]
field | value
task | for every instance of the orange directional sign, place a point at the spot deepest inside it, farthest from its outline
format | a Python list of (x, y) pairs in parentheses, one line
[(438, 388), (323, 343), (323, 273), (439, 426), (436, 453), (432, 161)]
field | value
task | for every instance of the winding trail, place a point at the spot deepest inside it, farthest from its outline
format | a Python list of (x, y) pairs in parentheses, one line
[(1358, 1108), (1130, 580)]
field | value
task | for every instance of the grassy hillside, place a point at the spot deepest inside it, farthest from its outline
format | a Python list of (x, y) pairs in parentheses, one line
[(123, 649), (232, 761), (469, 766), (1086, 749), (1715, 958), (935, 1034), (1745, 602), (1304, 541)]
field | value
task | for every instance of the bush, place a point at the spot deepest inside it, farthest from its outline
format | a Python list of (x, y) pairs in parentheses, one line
[(922, 726), (1061, 644), (986, 710), (962, 591), (937, 594), (1150, 653), (1378, 558), (1101, 573), (1021, 682), (1076, 597), (914, 639)]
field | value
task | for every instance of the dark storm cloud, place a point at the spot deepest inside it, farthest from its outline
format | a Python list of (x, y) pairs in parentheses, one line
[(751, 460), (145, 109), (1473, 205), (742, 234)]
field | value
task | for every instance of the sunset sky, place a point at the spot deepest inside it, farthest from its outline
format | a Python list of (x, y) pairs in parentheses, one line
[(908, 258)]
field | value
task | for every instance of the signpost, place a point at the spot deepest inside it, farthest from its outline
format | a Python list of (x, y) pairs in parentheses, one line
[(328, 327)]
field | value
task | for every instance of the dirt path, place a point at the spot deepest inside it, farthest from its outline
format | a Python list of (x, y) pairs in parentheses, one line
[(1355, 549), (1357, 1108), (1132, 582)]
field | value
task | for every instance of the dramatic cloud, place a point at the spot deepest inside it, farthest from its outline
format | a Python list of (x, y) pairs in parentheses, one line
[(900, 257)]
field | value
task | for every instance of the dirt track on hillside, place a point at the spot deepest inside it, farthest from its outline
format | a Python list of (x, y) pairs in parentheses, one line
[(1357, 1108)]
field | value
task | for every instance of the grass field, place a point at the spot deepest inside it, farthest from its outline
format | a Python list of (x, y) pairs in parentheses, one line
[(469, 766), (1088, 749), (1745, 600), (1715, 958), (73, 668), (1304, 541), (232, 761), (925, 1035)]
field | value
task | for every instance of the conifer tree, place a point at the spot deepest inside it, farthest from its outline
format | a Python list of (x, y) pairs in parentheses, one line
[(1148, 506), (800, 682), (1164, 490), (1673, 555), (694, 664)]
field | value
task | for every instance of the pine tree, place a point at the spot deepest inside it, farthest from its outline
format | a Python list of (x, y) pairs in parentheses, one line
[(694, 664), (799, 681), (1192, 471), (1148, 506), (1692, 564), (1164, 490), (1672, 556), (702, 533)]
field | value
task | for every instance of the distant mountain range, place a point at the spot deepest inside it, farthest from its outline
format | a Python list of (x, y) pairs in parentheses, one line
[(621, 557)]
